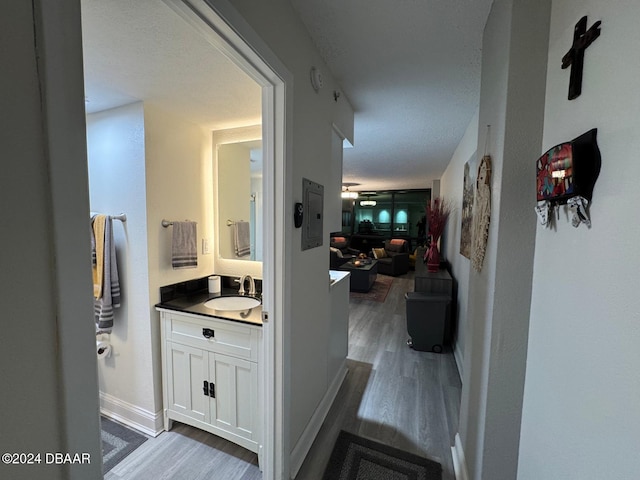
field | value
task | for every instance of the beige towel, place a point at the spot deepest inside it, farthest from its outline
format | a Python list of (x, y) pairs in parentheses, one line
[(97, 229)]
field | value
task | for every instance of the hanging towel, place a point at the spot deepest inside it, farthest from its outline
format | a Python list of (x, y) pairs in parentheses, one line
[(97, 252), (242, 232), (93, 242), (184, 251), (109, 296)]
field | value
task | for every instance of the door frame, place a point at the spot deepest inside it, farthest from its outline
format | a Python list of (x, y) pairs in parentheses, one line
[(221, 24)]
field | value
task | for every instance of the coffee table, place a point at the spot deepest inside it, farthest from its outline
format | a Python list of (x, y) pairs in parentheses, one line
[(362, 276)]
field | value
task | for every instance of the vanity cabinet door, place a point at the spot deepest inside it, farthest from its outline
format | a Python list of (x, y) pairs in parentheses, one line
[(186, 371), (234, 408), (205, 386)]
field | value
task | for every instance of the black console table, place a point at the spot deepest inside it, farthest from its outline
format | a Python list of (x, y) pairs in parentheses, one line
[(428, 309), (439, 282)]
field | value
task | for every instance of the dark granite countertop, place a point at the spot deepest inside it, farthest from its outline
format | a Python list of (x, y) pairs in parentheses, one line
[(191, 300)]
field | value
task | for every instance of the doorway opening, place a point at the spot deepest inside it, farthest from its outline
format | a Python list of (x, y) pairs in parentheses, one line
[(265, 85)]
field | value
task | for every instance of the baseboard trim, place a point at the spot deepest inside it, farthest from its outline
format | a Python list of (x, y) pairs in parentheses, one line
[(299, 452), (459, 462), (457, 355), (143, 420)]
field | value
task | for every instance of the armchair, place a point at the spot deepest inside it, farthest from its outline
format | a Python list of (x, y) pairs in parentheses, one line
[(393, 259), (339, 252), (337, 258), (342, 244)]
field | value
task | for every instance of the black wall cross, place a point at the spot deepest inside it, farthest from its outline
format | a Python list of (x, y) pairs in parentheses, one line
[(582, 38)]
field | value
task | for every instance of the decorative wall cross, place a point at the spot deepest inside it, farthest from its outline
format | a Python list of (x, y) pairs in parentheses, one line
[(582, 38)]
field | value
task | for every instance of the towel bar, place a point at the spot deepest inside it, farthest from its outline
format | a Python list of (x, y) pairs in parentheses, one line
[(231, 223), (167, 223), (122, 217)]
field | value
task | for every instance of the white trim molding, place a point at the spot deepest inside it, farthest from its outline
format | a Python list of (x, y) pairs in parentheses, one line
[(299, 452), (459, 462), (224, 27), (457, 355), (143, 420)]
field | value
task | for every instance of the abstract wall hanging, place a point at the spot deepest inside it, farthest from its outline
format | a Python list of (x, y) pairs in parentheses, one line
[(566, 174), (467, 212), (481, 213)]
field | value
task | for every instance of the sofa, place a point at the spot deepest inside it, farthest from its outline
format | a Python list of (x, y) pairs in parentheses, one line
[(393, 258)]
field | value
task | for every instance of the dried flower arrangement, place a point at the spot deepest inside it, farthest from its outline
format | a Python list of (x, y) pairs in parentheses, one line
[(437, 215)]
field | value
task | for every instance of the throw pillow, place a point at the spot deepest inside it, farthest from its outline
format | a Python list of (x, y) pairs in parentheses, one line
[(337, 252), (395, 247), (378, 253)]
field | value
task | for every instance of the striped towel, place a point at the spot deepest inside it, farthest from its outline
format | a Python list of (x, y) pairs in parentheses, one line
[(184, 250), (241, 238), (108, 297)]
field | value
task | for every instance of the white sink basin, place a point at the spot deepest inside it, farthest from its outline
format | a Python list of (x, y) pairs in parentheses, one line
[(232, 304)]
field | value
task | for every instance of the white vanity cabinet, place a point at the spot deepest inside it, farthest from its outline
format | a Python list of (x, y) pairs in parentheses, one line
[(210, 375)]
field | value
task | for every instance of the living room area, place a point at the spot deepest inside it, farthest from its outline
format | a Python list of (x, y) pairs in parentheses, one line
[(382, 233), (387, 235)]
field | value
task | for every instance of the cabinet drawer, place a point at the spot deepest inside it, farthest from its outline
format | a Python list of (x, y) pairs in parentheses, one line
[(227, 337)]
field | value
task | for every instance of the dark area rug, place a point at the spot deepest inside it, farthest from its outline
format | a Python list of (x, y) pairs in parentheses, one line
[(378, 292), (118, 441), (357, 458)]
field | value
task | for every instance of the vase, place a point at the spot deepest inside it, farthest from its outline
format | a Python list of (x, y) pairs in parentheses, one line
[(433, 257)]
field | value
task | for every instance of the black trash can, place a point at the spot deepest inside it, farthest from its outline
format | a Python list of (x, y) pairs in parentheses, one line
[(427, 320)]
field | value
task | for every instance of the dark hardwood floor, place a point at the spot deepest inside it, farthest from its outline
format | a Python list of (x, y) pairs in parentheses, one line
[(392, 394)]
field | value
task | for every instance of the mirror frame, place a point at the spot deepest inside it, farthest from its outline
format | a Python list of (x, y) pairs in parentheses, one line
[(229, 266)]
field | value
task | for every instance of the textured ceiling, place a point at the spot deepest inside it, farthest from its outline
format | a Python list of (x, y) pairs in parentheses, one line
[(142, 50), (411, 70)]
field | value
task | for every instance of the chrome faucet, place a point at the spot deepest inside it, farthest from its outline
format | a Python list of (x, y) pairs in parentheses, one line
[(252, 285)]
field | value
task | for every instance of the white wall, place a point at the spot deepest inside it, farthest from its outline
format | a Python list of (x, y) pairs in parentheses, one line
[(451, 184), (313, 116), (512, 95), (47, 349), (179, 186), (151, 165), (581, 416), (116, 159)]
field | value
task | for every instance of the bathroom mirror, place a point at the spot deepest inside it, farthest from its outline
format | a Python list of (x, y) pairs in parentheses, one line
[(238, 201)]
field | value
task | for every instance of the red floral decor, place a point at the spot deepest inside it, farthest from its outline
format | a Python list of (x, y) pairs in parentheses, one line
[(437, 216)]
